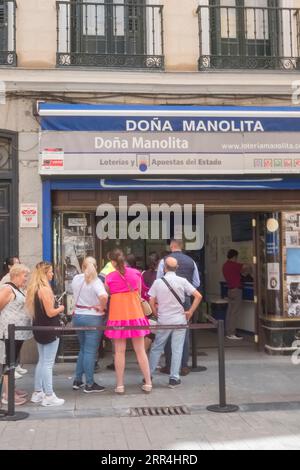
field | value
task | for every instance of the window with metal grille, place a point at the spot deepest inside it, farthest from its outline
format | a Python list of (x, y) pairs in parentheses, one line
[(244, 28), (248, 34), (7, 32), (3, 27), (109, 26), (110, 33), (1, 12)]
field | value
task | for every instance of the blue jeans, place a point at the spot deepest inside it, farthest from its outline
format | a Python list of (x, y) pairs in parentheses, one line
[(186, 346), (177, 340), (43, 378), (89, 343)]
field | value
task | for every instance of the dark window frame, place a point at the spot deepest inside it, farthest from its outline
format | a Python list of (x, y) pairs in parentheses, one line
[(3, 26), (224, 47), (110, 43)]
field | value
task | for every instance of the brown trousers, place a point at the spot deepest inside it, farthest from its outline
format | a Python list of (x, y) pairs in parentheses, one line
[(235, 299)]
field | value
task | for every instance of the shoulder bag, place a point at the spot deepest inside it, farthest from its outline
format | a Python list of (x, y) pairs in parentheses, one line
[(173, 291), (146, 307)]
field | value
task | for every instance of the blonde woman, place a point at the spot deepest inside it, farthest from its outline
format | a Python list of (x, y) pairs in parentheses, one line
[(8, 264), (40, 304), (90, 299), (12, 311)]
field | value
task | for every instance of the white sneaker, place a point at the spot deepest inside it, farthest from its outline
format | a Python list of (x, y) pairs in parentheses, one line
[(20, 370), (17, 375), (52, 400), (37, 397), (234, 337)]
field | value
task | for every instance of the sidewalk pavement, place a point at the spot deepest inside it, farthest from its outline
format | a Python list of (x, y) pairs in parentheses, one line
[(266, 388)]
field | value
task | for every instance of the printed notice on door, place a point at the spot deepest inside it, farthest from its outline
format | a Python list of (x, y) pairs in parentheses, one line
[(273, 276)]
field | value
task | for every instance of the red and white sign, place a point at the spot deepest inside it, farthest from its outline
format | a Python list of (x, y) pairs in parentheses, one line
[(29, 216), (52, 159)]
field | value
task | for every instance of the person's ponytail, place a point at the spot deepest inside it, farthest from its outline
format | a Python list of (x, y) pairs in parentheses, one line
[(89, 269), (119, 258)]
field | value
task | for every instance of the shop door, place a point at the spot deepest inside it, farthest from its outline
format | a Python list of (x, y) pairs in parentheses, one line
[(257, 278), (245, 227), (244, 240)]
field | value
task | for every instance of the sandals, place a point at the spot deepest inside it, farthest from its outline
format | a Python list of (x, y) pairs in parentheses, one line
[(147, 388), (21, 393), (120, 390), (18, 400)]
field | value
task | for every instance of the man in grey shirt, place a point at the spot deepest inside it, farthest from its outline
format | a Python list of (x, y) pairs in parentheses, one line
[(168, 306), (187, 268)]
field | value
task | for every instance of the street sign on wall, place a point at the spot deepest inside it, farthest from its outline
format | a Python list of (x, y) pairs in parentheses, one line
[(29, 215)]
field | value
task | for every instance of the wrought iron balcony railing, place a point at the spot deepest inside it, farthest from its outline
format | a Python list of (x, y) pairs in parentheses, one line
[(240, 37), (110, 33), (8, 32)]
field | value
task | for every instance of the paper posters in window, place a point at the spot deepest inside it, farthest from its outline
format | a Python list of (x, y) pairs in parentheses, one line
[(273, 276), (292, 239), (77, 222), (293, 289), (292, 221)]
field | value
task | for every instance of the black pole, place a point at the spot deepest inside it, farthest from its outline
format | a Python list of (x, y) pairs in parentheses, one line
[(11, 415), (221, 352), (11, 370), (195, 367), (222, 407), (2, 412)]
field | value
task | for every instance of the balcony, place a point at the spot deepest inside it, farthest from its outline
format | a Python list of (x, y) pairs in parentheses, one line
[(124, 34), (8, 32), (234, 36)]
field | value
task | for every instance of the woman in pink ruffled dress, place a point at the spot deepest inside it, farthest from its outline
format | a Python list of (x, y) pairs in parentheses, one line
[(124, 287)]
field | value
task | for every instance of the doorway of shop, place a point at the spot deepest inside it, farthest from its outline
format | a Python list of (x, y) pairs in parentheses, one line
[(223, 231), (75, 237)]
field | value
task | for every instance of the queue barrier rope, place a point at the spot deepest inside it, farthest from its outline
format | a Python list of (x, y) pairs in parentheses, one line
[(222, 407)]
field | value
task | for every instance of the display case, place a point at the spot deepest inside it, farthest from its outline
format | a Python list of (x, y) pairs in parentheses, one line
[(291, 263), (281, 312), (74, 240)]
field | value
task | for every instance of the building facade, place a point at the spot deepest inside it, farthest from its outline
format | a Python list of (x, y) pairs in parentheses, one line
[(191, 55)]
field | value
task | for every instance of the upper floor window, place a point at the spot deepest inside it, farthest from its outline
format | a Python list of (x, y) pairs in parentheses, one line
[(7, 32), (248, 34), (110, 33)]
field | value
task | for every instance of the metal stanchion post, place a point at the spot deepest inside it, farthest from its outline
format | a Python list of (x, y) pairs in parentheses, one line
[(222, 407), (11, 414), (2, 412), (195, 367)]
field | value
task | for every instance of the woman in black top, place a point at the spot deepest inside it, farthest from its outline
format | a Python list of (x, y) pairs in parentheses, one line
[(40, 303)]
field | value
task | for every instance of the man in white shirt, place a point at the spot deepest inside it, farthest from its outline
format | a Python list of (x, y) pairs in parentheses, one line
[(167, 297)]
